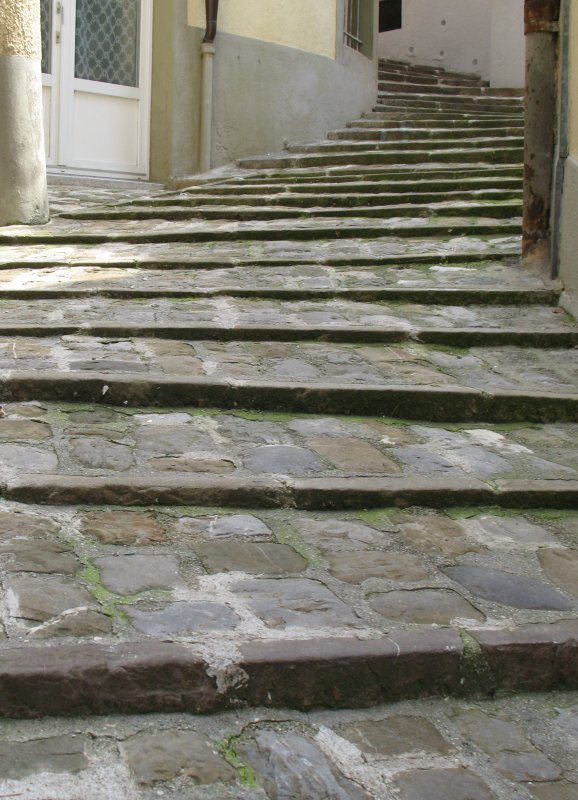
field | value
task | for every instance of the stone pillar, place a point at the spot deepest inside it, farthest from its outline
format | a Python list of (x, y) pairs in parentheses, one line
[(541, 26), (23, 197)]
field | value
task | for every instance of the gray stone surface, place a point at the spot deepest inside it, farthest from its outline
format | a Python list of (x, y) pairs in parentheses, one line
[(224, 527), (171, 754), (396, 736), (296, 603), (265, 558), (355, 567), (122, 527), (40, 599), (50, 754), (506, 588), (424, 606), (31, 555), (131, 574), (283, 460), (439, 784), (183, 619), (292, 768)]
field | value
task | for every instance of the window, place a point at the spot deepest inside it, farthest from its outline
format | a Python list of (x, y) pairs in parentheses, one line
[(389, 15), (353, 24)]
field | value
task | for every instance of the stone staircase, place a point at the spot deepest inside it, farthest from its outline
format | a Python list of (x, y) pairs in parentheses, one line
[(303, 435)]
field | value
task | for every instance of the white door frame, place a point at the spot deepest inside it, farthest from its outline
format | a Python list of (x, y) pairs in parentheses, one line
[(63, 86)]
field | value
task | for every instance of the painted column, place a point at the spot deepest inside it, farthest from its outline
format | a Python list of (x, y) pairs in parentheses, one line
[(541, 26), (23, 197)]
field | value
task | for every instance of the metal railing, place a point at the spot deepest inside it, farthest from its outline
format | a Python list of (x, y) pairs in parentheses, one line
[(352, 28)]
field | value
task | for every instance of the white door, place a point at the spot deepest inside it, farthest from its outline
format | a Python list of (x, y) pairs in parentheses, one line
[(96, 72)]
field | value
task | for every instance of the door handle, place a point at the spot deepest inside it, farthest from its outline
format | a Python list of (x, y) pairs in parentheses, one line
[(60, 10)]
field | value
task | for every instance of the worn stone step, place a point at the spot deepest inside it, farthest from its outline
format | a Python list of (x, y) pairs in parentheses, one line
[(390, 174), (454, 155), (420, 143), (257, 192), (491, 283), (332, 196), (229, 319), (434, 133), (460, 116), (422, 69), (461, 121), (440, 89), (427, 748), (420, 381), (70, 453), (401, 77), (250, 212), (305, 256), (158, 231), (455, 99)]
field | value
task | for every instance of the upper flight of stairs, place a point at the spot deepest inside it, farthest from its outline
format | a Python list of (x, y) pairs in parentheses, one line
[(300, 436)]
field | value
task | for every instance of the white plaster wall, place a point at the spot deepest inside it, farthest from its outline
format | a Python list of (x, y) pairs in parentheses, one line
[(507, 44), (485, 37), (454, 34)]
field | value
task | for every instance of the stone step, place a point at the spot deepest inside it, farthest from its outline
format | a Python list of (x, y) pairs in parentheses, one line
[(495, 208), (372, 133), (424, 278), (422, 143), (482, 187), (331, 195), (427, 748), (389, 174), (468, 122), (400, 107), (454, 90), (420, 69), (456, 100), (284, 460), (67, 232), (235, 319), (401, 76), (421, 381), (459, 116), (380, 156)]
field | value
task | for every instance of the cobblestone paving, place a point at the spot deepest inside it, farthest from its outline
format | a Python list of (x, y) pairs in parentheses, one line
[(519, 748), (279, 439)]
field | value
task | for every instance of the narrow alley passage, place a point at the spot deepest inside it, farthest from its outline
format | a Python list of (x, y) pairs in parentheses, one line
[(300, 435)]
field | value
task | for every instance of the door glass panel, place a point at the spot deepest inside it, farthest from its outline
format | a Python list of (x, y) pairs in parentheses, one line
[(46, 29), (107, 41)]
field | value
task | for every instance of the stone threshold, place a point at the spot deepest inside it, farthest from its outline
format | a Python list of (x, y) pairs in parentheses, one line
[(435, 403), (321, 494), (161, 677)]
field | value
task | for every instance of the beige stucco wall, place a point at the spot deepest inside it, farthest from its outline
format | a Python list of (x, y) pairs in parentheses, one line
[(485, 37), (20, 28), (287, 77), (308, 25)]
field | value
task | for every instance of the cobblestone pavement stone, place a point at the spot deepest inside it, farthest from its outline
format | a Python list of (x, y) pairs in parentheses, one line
[(300, 434), (520, 748)]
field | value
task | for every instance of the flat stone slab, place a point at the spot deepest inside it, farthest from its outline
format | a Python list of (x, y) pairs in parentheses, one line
[(265, 753)]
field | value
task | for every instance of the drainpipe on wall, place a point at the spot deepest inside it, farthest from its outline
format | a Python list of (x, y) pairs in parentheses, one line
[(23, 196), (541, 28), (207, 64)]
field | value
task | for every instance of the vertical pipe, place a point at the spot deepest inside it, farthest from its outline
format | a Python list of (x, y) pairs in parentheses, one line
[(541, 27), (207, 70), (23, 195)]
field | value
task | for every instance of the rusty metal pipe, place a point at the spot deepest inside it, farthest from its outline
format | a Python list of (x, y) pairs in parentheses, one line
[(212, 11)]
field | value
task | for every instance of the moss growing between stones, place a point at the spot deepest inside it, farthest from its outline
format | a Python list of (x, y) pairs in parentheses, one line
[(227, 748), (476, 675)]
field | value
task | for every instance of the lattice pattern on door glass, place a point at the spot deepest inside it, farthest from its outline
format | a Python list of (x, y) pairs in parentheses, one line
[(46, 35), (107, 41)]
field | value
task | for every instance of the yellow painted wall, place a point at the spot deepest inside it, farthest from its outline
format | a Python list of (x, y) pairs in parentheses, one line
[(309, 25)]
